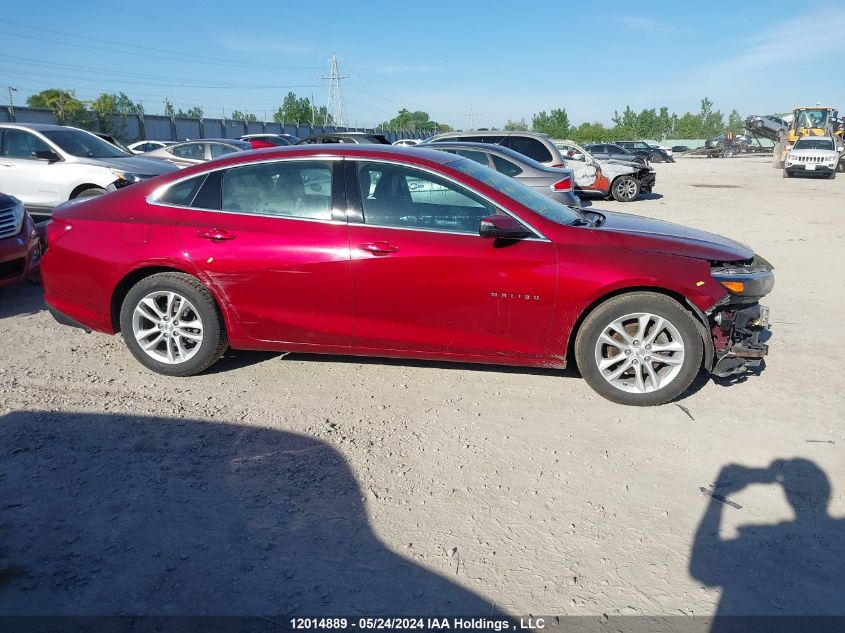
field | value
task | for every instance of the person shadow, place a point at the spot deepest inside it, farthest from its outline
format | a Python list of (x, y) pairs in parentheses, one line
[(129, 515), (783, 572)]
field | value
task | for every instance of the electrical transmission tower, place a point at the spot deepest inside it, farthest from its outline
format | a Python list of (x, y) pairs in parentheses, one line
[(336, 108), (470, 119)]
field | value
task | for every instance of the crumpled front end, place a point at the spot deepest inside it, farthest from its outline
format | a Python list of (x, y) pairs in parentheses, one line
[(739, 325)]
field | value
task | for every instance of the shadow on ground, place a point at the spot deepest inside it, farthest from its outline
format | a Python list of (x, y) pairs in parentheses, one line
[(792, 568), (110, 514), (21, 300)]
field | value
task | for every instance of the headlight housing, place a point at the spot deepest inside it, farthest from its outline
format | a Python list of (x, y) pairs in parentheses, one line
[(125, 178), (750, 279)]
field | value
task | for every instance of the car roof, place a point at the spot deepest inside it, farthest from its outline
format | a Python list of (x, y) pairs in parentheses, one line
[(485, 147), (234, 142), (538, 135), (39, 127)]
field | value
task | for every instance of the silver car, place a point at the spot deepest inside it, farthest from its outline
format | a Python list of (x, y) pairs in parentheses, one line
[(556, 182), (531, 144), (199, 151)]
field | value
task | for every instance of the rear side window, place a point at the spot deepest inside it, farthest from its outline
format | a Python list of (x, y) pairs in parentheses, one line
[(530, 147), (298, 189), (219, 150), (182, 193), (194, 151), (506, 167), (478, 157)]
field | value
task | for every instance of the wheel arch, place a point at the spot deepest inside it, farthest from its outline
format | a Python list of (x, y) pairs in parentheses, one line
[(700, 319), (80, 188), (133, 277)]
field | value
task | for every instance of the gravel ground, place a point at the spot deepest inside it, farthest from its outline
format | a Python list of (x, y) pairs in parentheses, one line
[(291, 484)]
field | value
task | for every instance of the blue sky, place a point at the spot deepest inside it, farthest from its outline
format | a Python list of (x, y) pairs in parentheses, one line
[(503, 60)]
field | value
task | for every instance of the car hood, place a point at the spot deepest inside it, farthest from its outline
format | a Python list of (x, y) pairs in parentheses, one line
[(133, 165), (619, 161), (623, 230)]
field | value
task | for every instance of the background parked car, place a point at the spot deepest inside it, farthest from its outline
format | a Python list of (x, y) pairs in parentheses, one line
[(262, 141), (609, 151), (624, 181), (407, 142), (556, 182), (346, 137), (649, 152), (680, 149), (194, 152), (45, 165), (569, 152), (139, 147), (20, 248), (532, 144)]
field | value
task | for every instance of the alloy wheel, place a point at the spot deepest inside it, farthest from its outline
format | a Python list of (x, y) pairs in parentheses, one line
[(640, 353), (167, 327)]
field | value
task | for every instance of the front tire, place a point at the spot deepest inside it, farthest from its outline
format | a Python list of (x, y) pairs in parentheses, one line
[(832, 175), (786, 174), (90, 192), (640, 349), (172, 325), (625, 189)]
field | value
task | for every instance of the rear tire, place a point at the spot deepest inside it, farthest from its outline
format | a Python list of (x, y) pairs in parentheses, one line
[(659, 355), (150, 323), (625, 189)]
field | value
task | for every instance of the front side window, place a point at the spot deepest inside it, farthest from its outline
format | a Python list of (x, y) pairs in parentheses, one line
[(399, 196), (21, 144), (299, 189), (83, 144), (191, 151), (526, 196)]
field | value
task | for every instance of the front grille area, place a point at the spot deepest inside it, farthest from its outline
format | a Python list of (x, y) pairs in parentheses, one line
[(10, 221), (809, 159), (12, 268)]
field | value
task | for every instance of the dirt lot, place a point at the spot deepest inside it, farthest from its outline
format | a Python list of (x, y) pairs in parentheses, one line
[(290, 484)]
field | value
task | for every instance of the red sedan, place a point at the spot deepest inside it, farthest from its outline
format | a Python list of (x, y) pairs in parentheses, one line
[(406, 253)]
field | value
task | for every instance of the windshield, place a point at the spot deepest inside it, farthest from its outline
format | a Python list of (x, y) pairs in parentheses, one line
[(814, 143), (537, 202), (814, 119), (83, 144)]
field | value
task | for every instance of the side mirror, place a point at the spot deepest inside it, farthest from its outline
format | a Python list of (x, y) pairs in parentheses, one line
[(502, 227), (47, 154)]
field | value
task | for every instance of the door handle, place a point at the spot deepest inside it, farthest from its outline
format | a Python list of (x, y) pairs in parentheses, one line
[(217, 235), (378, 248)]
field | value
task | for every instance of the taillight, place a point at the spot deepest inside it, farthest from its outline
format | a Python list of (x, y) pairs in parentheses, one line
[(563, 185), (55, 229)]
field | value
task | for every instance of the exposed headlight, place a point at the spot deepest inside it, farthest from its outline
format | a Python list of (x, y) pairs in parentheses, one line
[(125, 178)]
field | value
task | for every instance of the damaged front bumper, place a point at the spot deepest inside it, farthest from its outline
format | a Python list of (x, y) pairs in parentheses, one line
[(739, 334)]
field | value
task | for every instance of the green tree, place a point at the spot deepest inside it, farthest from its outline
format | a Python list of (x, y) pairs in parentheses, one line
[(64, 104), (555, 123), (169, 110), (248, 117), (124, 105), (712, 122), (102, 108), (417, 121), (299, 110), (591, 133), (688, 126), (516, 126), (735, 122), (191, 113)]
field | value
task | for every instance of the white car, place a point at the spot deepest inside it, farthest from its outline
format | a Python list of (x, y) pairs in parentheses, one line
[(44, 165), (139, 147), (407, 142), (812, 154)]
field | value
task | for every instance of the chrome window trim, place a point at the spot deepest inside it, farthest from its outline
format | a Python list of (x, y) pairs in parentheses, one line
[(153, 197), (539, 234)]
